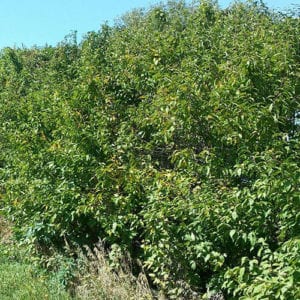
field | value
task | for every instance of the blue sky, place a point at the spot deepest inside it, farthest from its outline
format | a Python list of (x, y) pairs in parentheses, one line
[(37, 22)]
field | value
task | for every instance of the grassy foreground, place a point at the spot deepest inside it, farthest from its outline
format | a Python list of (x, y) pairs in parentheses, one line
[(95, 279), (18, 281), (90, 278)]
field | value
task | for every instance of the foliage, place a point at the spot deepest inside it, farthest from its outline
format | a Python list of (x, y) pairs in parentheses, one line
[(172, 135), (270, 276)]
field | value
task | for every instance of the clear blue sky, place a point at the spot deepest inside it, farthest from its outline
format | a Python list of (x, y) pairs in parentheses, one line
[(37, 22)]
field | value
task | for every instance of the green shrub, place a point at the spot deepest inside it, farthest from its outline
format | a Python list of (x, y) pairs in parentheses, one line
[(171, 134)]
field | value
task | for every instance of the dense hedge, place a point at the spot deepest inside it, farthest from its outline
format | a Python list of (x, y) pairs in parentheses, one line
[(172, 135)]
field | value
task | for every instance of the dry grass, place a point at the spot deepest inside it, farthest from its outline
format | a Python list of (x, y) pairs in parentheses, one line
[(97, 280), (5, 231)]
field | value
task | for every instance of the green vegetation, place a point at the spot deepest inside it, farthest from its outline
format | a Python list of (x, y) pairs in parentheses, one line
[(172, 136), (18, 282), (21, 280)]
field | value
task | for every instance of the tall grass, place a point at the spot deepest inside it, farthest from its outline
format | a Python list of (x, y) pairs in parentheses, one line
[(96, 279)]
